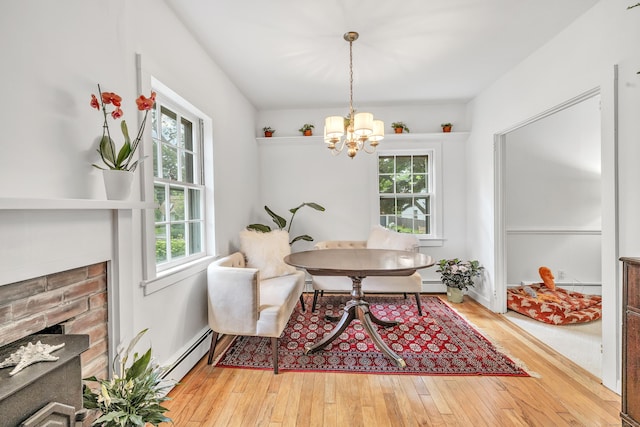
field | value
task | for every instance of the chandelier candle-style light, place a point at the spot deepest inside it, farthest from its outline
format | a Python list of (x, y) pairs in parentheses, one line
[(360, 131)]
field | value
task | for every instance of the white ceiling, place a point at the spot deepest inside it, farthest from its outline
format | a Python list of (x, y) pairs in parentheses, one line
[(291, 53)]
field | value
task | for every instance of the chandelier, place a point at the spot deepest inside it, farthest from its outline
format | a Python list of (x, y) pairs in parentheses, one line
[(360, 131)]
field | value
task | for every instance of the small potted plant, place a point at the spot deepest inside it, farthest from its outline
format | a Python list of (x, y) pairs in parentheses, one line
[(446, 127), (458, 275), (399, 127), (268, 132), (306, 129)]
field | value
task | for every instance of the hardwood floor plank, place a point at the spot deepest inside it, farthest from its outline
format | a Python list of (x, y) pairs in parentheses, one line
[(563, 394)]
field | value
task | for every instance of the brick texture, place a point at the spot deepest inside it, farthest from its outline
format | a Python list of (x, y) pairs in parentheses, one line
[(76, 298)]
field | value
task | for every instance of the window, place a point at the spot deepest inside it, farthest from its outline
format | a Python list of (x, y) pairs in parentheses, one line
[(178, 186), (406, 197)]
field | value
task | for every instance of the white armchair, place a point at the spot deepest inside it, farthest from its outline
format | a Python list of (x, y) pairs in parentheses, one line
[(380, 238), (252, 301)]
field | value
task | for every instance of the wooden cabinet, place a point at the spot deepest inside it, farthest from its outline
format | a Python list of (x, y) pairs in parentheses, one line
[(630, 413)]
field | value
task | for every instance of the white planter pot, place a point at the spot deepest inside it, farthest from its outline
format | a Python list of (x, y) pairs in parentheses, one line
[(455, 295), (117, 183)]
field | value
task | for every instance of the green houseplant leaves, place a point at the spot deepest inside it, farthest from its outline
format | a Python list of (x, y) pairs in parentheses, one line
[(281, 222)]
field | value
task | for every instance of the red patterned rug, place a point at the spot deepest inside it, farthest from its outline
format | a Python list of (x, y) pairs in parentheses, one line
[(440, 342)]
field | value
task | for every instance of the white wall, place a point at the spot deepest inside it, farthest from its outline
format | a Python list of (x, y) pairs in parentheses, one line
[(302, 169), (553, 196), (54, 54), (580, 58)]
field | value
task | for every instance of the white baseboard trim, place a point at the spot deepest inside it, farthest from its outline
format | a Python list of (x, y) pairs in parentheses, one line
[(189, 355)]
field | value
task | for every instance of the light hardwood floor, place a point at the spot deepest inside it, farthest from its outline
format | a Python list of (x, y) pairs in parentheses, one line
[(563, 395)]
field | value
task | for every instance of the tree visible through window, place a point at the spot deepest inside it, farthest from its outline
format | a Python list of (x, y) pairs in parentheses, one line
[(405, 193), (178, 185)]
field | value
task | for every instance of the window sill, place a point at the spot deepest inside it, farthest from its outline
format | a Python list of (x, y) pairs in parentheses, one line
[(172, 276), (436, 241)]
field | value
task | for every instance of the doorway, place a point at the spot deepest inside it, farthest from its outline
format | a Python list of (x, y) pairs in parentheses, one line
[(549, 189)]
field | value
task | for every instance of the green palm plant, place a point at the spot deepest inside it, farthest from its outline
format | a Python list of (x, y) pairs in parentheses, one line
[(282, 223)]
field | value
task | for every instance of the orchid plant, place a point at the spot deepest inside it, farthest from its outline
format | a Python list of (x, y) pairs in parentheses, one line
[(123, 158)]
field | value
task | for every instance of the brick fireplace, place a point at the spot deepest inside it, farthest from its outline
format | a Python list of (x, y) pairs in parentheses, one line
[(75, 299)]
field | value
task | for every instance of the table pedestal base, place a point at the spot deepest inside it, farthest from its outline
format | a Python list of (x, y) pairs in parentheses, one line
[(358, 307)]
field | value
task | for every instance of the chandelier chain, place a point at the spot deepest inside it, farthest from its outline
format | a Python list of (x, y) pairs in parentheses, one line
[(350, 80)]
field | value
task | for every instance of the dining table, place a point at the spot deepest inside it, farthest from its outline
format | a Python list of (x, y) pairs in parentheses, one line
[(357, 264)]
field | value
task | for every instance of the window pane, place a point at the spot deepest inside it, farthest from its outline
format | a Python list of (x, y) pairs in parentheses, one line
[(178, 246), (421, 224), (194, 204), (387, 206), (195, 239), (161, 206), (187, 134), (176, 198), (154, 123), (385, 184), (169, 162), (403, 164), (155, 158), (419, 184), (420, 164), (161, 244), (385, 164), (422, 205), (403, 183), (187, 167), (169, 126)]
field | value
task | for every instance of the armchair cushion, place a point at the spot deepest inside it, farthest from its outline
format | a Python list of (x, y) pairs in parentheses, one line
[(265, 251)]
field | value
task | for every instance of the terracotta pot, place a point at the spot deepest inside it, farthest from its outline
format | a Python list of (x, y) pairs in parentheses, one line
[(398, 130), (308, 132), (446, 128), (268, 134)]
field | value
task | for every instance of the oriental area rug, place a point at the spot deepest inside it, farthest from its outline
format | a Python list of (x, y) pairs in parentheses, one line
[(440, 342)]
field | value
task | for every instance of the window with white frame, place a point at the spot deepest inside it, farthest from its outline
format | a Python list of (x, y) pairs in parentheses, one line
[(178, 186), (406, 192)]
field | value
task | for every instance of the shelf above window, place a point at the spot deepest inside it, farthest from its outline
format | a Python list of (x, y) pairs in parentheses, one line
[(435, 136)]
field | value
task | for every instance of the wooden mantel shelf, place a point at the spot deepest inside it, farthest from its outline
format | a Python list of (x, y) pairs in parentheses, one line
[(70, 204)]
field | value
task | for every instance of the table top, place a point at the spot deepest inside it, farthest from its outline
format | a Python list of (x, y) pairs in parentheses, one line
[(359, 262)]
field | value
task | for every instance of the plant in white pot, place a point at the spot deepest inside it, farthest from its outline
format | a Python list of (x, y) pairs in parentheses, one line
[(458, 275), (119, 164)]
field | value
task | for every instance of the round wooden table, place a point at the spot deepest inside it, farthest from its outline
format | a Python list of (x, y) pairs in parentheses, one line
[(358, 264)]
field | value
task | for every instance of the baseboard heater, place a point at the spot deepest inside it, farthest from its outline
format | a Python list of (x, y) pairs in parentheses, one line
[(198, 342)]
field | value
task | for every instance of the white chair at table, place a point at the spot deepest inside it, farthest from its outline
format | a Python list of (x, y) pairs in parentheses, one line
[(253, 292), (379, 238)]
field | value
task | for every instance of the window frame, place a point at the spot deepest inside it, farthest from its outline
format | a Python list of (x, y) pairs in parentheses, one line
[(155, 278), (169, 184), (434, 151)]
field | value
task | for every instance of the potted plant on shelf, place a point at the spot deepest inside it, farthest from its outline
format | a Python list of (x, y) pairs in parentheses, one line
[(446, 127), (120, 164), (306, 129), (399, 127), (268, 132), (133, 396), (458, 275)]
